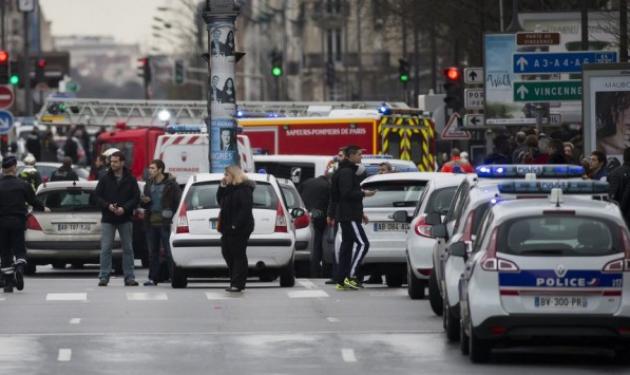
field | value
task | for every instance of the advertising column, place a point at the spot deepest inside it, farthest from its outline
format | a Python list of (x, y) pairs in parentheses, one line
[(220, 16)]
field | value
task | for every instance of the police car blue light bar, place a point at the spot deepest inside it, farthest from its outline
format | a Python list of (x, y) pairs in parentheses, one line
[(545, 187), (520, 170), (185, 128)]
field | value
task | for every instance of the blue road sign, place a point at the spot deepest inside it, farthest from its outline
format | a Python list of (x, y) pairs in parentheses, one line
[(559, 62), (6, 121)]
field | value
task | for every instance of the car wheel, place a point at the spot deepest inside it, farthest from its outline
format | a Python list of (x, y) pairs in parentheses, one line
[(478, 349), (30, 269), (58, 265), (435, 298), (415, 286), (178, 279), (287, 276), (394, 280), (463, 339), (451, 325)]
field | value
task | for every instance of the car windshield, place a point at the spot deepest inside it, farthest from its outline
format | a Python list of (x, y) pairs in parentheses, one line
[(203, 196), (440, 200), (559, 235), (72, 199), (394, 193), (291, 195)]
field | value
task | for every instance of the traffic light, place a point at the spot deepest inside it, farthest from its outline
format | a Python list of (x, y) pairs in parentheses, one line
[(144, 69), (5, 67), (14, 76), (179, 72), (403, 70), (40, 70), (453, 88), (276, 64)]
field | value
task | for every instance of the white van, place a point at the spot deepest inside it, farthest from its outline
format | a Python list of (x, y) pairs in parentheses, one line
[(187, 154)]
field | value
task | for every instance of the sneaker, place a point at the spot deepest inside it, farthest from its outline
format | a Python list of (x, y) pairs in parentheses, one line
[(8, 289), (233, 289), (351, 284), (341, 287), (358, 283), (103, 282), (131, 282), (149, 283), (19, 276)]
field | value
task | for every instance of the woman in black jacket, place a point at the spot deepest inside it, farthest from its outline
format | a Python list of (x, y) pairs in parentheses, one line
[(236, 223)]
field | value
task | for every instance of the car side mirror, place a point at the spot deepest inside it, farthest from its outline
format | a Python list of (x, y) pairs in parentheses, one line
[(458, 249), (402, 217), (297, 212), (438, 231), (433, 218)]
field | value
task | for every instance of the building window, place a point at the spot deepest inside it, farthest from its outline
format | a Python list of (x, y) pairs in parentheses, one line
[(334, 45)]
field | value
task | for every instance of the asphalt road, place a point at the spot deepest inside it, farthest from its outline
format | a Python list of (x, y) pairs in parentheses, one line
[(62, 323)]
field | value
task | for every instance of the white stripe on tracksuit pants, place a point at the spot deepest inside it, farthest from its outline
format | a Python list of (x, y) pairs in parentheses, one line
[(347, 263)]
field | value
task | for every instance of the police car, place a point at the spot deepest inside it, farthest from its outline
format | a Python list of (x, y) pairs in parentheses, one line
[(436, 198), (302, 223), (196, 242), (472, 199), (550, 269)]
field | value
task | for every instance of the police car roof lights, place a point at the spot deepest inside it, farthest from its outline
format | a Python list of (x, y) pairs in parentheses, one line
[(546, 187), (521, 170), (188, 128)]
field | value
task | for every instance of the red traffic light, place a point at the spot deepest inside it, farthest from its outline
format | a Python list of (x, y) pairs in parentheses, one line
[(452, 73), (143, 61), (4, 57), (41, 63)]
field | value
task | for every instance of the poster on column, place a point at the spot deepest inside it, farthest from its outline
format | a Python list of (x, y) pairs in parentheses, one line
[(222, 90), (223, 143)]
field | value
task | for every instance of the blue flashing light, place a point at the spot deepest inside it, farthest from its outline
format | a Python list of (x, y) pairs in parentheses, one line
[(180, 128), (520, 170), (262, 171), (545, 187), (384, 109), (239, 114), (494, 201)]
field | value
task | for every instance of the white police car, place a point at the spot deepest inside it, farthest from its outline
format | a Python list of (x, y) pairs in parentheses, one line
[(554, 269), (436, 198)]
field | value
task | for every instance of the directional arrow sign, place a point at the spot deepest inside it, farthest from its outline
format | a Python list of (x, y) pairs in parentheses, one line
[(559, 62), (473, 76), (473, 120), (6, 121), (547, 91)]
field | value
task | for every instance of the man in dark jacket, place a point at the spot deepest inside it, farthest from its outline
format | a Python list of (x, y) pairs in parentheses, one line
[(14, 195), (619, 185), (346, 190), (34, 144), (118, 195), (160, 200), (65, 172), (316, 194)]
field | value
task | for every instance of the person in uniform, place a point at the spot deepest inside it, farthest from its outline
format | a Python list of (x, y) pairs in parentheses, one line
[(14, 195)]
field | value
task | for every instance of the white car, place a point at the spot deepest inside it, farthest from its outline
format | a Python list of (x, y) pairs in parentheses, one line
[(196, 243), (436, 198), (554, 270), (394, 192), (71, 232), (46, 169), (302, 224)]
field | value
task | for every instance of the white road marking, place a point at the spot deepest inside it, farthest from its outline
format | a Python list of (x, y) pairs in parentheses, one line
[(2, 299), (64, 355), (332, 320), (66, 297), (308, 294), (75, 320), (144, 296), (348, 355), (308, 284)]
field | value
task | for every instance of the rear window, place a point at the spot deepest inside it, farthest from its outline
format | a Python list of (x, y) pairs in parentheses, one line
[(394, 193), (559, 235), (291, 196), (203, 196), (297, 172), (440, 200), (69, 200)]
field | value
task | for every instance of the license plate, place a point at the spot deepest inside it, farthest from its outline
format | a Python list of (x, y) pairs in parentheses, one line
[(561, 302), (390, 227), (75, 228)]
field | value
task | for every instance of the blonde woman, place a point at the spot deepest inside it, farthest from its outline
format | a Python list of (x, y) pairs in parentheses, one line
[(236, 223)]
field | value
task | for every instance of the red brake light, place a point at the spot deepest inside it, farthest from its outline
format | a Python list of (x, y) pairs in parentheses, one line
[(281, 219), (490, 262), (182, 219), (32, 223), (302, 221), (422, 228), (620, 265), (468, 226)]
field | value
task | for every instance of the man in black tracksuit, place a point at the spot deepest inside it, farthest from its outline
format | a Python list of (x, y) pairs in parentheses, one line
[(346, 190), (14, 194)]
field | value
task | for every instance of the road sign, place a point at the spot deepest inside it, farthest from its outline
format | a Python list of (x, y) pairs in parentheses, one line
[(474, 120), (473, 98), (559, 62), (26, 5), (547, 91), (6, 96), (473, 76), (452, 133), (6, 121), (537, 39)]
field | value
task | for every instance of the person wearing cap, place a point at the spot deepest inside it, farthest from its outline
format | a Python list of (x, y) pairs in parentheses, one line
[(14, 195), (30, 174)]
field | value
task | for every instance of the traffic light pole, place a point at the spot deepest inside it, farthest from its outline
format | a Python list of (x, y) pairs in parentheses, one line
[(220, 16), (26, 68)]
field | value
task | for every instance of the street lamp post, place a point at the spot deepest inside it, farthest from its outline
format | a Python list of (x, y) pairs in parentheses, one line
[(220, 16)]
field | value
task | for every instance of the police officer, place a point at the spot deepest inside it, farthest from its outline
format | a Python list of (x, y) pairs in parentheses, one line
[(30, 174), (14, 195)]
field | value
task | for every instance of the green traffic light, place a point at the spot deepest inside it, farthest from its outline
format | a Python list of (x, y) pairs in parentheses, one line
[(14, 80), (404, 78), (276, 71)]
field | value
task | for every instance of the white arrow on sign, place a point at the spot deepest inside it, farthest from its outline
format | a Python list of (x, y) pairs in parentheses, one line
[(522, 62), (522, 91)]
